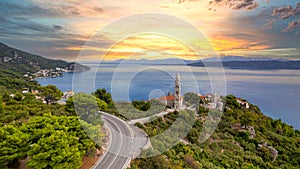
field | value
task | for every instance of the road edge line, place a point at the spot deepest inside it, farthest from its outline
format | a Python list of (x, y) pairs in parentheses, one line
[(106, 151)]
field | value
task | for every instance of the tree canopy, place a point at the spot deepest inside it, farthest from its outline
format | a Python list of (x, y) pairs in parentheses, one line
[(87, 107), (102, 94), (50, 93), (13, 145)]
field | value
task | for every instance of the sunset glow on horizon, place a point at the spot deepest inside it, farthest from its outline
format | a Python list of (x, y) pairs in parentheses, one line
[(61, 28)]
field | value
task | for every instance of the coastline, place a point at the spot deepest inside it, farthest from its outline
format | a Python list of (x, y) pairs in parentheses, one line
[(259, 88)]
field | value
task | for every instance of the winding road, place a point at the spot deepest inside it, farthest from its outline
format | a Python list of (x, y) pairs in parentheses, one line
[(125, 143)]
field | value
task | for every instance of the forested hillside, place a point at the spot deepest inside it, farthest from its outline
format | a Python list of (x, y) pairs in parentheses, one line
[(37, 132), (20, 61), (14, 64), (41, 135), (244, 138)]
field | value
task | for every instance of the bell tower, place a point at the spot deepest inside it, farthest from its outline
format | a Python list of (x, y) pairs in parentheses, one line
[(177, 100)]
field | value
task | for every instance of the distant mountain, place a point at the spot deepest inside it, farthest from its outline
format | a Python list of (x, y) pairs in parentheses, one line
[(253, 65), (22, 62), (169, 61), (177, 61), (233, 62), (242, 58)]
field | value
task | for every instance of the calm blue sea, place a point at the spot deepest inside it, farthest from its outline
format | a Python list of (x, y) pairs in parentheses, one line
[(276, 92)]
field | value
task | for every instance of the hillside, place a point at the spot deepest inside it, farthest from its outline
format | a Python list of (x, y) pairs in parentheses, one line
[(23, 62), (20, 61), (39, 135), (15, 63), (245, 138)]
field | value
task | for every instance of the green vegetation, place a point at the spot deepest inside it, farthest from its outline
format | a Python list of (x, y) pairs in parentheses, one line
[(12, 70), (139, 109), (47, 141), (47, 135), (14, 81), (105, 96), (191, 99), (163, 134), (87, 107), (51, 93), (23, 62), (43, 135), (232, 145), (14, 64), (141, 105)]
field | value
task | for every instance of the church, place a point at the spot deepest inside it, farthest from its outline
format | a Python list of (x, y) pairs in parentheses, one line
[(174, 100)]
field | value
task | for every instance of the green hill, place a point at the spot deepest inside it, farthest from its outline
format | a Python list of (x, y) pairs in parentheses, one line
[(15, 63), (22, 62), (244, 139)]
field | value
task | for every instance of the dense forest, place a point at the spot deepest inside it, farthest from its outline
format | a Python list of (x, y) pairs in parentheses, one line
[(244, 138), (37, 131)]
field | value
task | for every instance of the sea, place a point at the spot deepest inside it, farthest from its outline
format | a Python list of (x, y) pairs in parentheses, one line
[(276, 92)]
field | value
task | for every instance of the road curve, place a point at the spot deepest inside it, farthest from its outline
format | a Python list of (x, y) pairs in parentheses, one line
[(123, 144)]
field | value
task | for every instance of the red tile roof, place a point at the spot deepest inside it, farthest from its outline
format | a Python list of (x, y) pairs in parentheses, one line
[(170, 98), (202, 97)]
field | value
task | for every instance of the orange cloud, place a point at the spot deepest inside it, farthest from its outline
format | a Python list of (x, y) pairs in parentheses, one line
[(149, 47), (226, 43)]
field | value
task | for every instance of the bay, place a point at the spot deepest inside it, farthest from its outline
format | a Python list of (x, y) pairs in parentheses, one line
[(276, 92)]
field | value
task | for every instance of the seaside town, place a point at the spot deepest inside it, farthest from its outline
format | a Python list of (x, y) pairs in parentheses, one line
[(57, 72), (175, 101)]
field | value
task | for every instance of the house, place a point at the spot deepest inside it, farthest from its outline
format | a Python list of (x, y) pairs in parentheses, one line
[(35, 91), (25, 91), (212, 101), (243, 103)]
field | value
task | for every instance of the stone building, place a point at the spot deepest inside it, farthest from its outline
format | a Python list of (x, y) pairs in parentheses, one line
[(174, 100)]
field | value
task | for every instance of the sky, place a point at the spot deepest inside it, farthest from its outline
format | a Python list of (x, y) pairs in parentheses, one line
[(60, 29)]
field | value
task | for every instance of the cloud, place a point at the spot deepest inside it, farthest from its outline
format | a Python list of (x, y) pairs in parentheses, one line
[(9, 9), (292, 25), (57, 27), (236, 4), (283, 11), (286, 12), (269, 24), (54, 9), (9, 26), (40, 39), (71, 8)]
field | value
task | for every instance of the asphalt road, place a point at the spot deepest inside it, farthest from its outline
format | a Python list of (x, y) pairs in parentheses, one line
[(125, 143)]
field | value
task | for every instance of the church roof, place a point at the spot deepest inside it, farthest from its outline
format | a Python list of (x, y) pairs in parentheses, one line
[(169, 98)]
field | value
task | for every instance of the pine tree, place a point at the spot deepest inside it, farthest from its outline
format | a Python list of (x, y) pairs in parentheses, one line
[(1, 105)]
